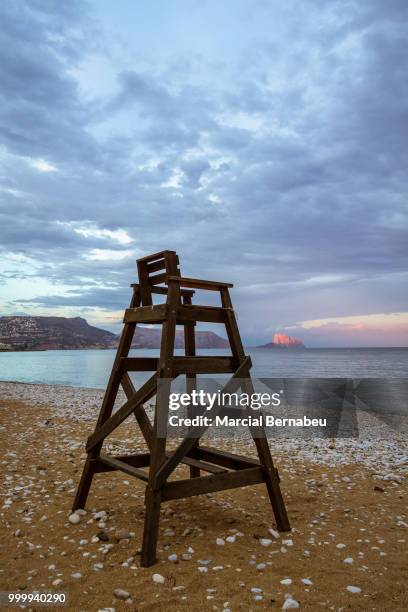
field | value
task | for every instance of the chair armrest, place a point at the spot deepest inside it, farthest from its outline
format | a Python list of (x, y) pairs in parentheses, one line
[(197, 283)]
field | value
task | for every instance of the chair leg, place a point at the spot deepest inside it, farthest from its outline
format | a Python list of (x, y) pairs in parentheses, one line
[(272, 484), (84, 485), (151, 528)]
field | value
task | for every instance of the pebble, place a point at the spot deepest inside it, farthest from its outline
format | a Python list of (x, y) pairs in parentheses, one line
[(290, 604), (121, 594), (76, 575), (349, 560), (261, 566), (274, 533), (307, 581), (122, 534), (57, 582), (220, 542), (230, 539), (74, 518), (100, 515), (286, 581), (353, 589), (340, 546), (265, 542), (172, 557), (203, 569), (158, 578)]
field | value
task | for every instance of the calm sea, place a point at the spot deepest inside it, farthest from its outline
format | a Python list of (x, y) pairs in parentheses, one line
[(91, 368)]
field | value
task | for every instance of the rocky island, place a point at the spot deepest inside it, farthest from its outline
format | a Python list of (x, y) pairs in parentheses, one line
[(281, 340)]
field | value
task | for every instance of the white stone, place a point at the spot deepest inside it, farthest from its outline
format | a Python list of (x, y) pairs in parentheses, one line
[(158, 578), (203, 569), (172, 557), (57, 582), (349, 560), (353, 589), (220, 542), (286, 581), (231, 538), (290, 604), (76, 575), (265, 542), (121, 594), (74, 518), (307, 581), (340, 546), (261, 566), (100, 515)]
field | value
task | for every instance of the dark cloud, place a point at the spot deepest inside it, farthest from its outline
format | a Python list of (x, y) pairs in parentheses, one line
[(283, 165)]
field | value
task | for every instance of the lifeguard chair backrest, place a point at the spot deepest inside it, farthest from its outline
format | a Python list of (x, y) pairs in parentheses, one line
[(153, 270)]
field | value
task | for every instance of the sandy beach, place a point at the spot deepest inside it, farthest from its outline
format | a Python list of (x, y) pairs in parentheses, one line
[(347, 501)]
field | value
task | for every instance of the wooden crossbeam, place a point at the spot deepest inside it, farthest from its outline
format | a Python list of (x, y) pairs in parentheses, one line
[(117, 464), (210, 484), (185, 314), (202, 465), (228, 460), (138, 461), (182, 365), (146, 314), (198, 283), (139, 364), (145, 393)]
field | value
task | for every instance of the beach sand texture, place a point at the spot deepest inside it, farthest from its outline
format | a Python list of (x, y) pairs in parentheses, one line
[(347, 501)]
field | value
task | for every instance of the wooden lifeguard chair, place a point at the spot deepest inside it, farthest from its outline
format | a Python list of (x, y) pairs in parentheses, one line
[(160, 274)]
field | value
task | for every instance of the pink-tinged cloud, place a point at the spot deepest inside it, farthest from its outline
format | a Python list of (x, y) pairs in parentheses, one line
[(369, 331)]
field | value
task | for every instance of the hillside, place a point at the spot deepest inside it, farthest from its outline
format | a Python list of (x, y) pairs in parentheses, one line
[(42, 333), (46, 333)]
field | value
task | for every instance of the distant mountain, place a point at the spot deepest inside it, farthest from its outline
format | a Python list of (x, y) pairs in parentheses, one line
[(42, 333), (283, 341), (46, 333)]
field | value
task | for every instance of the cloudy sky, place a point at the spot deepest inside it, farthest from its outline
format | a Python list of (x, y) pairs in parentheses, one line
[(265, 141)]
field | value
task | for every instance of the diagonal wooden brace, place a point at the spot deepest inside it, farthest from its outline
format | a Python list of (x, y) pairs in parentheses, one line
[(146, 391), (140, 413)]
